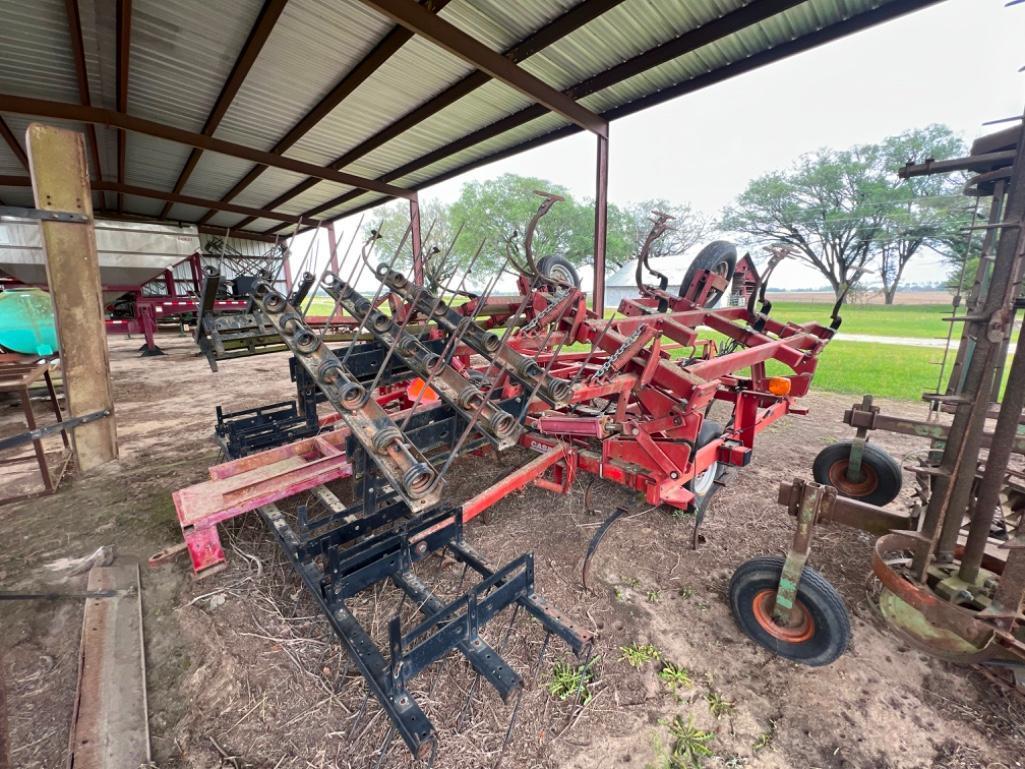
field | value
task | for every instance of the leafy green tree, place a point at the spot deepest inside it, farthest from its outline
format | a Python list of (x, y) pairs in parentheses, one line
[(829, 208), (926, 212), (688, 228)]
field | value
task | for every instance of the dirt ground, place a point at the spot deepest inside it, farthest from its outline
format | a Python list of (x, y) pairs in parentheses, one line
[(242, 670)]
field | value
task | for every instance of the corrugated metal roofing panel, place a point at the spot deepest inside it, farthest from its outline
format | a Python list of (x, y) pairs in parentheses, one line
[(152, 162), (182, 55), (275, 181), (314, 43), (417, 70), (34, 56)]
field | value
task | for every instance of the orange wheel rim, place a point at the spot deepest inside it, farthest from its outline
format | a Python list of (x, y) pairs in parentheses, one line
[(801, 631), (838, 478)]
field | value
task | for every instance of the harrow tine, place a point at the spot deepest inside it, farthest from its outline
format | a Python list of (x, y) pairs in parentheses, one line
[(409, 317), (594, 346), (508, 730), (466, 703), (453, 341), (373, 303), (359, 714), (491, 389), (551, 360), (320, 279), (384, 747), (541, 655)]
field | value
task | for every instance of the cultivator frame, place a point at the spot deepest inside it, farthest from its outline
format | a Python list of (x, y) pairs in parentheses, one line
[(436, 380), (952, 569)]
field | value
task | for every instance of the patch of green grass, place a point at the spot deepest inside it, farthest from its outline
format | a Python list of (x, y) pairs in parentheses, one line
[(570, 681), (923, 321), (675, 677), (718, 705), (638, 654), (654, 596), (689, 747)]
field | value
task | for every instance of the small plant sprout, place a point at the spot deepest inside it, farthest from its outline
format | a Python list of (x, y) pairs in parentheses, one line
[(765, 738), (675, 676), (654, 596), (572, 680), (719, 705), (638, 654), (690, 745), (685, 592)]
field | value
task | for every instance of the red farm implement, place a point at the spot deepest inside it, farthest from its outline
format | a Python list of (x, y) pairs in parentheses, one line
[(426, 379)]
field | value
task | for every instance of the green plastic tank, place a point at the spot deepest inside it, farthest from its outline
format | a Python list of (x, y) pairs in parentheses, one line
[(26, 322)]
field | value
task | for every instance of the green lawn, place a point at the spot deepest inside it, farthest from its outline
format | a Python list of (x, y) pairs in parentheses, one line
[(921, 321), (891, 371)]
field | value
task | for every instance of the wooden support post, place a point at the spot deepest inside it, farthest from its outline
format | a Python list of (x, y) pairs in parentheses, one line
[(60, 182)]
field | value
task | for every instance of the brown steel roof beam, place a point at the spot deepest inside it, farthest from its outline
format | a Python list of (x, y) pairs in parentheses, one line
[(258, 36), (171, 197), (678, 46), (63, 111), (568, 22), (380, 53), (849, 26), (124, 52), (82, 78), (418, 19), (12, 141)]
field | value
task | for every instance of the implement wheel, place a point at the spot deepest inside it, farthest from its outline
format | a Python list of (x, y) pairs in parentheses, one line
[(719, 257), (880, 473), (559, 269), (821, 629)]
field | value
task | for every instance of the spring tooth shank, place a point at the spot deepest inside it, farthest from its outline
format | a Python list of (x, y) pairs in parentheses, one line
[(406, 469), (555, 391), (499, 425)]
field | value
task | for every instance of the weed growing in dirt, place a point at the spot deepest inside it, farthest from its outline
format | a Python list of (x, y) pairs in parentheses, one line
[(654, 596), (638, 654), (621, 595), (572, 680), (675, 677), (719, 705), (685, 592), (689, 747), (765, 738)]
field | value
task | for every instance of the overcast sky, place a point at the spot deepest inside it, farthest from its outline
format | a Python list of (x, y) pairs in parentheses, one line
[(955, 63)]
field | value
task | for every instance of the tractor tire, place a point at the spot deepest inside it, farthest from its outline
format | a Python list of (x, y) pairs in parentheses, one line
[(720, 257), (881, 473), (823, 630), (560, 270)]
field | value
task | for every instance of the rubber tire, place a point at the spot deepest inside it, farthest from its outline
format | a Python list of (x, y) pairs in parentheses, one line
[(709, 258), (558, 264), (832, 631), (886, 468)]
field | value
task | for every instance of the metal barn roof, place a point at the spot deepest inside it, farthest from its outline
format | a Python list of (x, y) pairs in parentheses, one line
[(386, 96)]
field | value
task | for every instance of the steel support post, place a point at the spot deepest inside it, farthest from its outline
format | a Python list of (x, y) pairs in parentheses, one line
[(414, 229), (988, 325), (601, 201), (1001, 446), (332, 246), (60, 182)]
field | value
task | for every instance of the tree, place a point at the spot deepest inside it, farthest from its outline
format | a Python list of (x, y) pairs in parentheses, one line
[(688, 227), (925, 211), (392, 223), (829, 207)]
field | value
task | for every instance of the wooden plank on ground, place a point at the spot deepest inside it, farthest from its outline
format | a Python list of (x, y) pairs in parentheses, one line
[(110, 726)]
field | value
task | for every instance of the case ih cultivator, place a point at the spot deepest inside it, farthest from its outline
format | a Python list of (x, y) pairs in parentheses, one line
[(427, 379)]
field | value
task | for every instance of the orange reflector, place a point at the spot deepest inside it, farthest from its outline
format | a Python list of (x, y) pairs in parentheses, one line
[(418, 386), (779, 385)]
